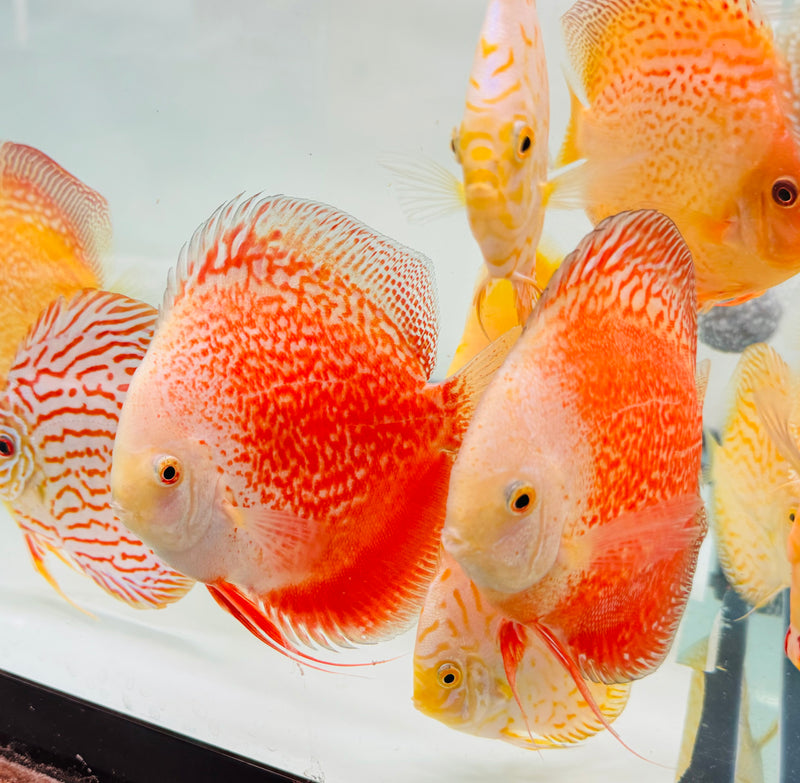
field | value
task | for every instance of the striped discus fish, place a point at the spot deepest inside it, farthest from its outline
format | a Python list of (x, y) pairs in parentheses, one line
[(477, 672), (54, 234), (58, 417), (501, 145)]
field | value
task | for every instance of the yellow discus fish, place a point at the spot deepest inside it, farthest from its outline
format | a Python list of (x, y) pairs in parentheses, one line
[(54, 234), (755, 490), (692, 111), (501, 145), (775, 405), (475, 675)]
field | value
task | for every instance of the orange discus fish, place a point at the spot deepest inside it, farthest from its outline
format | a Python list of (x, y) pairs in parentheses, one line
[(54, 234), (58, 415), (472, 674), (280, 441), (574, 502), (756, 491), (692, 111)]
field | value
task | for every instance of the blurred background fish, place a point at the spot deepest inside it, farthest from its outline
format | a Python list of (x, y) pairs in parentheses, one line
[(58, 416), (692, 110), (281, 440), (756, 492), (55, 233), (574, 502)]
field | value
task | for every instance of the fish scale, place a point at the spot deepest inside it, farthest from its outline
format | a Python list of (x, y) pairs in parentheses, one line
[(62, 400)]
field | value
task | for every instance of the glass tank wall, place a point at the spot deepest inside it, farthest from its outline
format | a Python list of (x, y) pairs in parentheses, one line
[(169, 109)]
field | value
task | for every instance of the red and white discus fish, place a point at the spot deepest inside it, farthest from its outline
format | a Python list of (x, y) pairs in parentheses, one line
[(693, 110), (478, 672), (54, 235), (58, 416), (574, 502), (280, 441)]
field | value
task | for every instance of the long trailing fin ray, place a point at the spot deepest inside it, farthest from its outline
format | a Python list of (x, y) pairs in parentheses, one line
[(255, 619), (251, 236), (566, 661)]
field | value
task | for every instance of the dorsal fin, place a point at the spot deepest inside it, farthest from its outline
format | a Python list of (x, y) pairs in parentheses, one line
[(634, 262), (34, 184), (253, 236), (593, 29), (92, 314)]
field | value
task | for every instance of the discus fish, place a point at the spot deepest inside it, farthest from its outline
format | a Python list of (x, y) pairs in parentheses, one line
[(692, 111), (54, 234), (574, 501), (756, 493), (775, 406), (502, 146), (280, 439), (58, 415), (472, 674)]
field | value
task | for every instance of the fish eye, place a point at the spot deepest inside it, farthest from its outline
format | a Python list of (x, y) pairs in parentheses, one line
[(521, 497), (784, 192), (8, 448), (454, 144), (524, 137), (448, 675), (168, 471), (792, 514)]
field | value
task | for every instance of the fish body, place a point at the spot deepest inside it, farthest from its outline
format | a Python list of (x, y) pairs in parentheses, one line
[(58, 415), (461, 679), (756, 492), (574, 502), (692, 111), (54, 233), (295, 451), (502, 144)]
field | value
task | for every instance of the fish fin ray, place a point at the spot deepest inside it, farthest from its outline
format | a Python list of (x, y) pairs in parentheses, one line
[(62, 199), (468, 384), (38, 550), (251, 235), (566, 661), (426, 190)]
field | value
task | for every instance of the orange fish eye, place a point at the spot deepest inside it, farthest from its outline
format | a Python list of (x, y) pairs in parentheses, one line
[(448, 675), (521, 497), (784, 192), (524, 137), (168, 471), (8, 448), (792, 514)]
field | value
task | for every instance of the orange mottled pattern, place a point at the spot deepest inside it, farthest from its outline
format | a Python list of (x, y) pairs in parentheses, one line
[(311, 401), (54, 231), (630, 339), (690, 113)]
